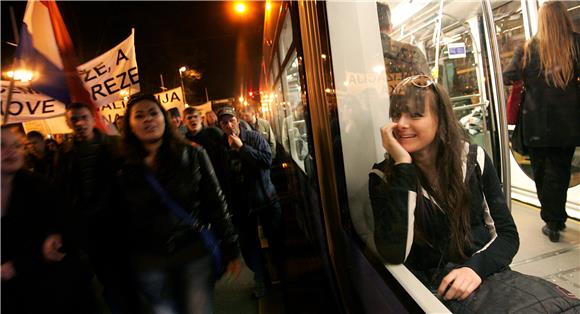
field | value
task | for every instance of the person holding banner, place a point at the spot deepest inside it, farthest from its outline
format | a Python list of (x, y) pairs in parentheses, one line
[(162, 177), (94, 229)]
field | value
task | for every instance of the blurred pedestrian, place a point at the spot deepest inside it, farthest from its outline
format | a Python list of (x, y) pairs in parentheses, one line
[(176, 120), (94, 228), (261, 126), (39, 159), (37, 277)]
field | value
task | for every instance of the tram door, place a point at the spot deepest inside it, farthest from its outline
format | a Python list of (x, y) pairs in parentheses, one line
[(516, 22)]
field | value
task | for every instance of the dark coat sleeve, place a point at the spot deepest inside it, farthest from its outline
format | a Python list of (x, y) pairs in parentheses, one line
[(393, 205), (499, 252), (218, 215), (256, 150), (513, 71)]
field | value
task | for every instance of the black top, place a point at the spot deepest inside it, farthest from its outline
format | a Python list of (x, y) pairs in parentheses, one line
[(29, 219), (550, 115), (493, 232)]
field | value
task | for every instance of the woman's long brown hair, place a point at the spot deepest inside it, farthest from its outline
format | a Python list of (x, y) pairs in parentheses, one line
[(555, 44), (450, 139)]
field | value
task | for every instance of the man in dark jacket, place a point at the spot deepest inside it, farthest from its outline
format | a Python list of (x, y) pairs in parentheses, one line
[(208, 137), (252, 196), (85, 175)]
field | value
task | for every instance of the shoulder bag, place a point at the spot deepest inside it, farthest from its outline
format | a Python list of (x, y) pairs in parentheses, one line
[(209, 239)]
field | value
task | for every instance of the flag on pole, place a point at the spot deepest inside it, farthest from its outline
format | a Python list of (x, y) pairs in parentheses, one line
[(47, 50)]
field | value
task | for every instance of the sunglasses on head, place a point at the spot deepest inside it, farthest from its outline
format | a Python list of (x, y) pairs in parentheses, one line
[(420, 81)]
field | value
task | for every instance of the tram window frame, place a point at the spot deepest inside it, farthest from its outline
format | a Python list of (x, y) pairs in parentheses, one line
[(286, 36)]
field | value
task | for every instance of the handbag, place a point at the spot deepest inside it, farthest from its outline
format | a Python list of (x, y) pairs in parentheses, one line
[(514, 102), (506, 291), (209, 239), (509, 291), (517, 140)]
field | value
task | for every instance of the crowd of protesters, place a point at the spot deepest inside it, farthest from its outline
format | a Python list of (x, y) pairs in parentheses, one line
[(130, 224)]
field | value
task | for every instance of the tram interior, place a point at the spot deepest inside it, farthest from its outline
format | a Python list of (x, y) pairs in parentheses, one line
[(468, 85)]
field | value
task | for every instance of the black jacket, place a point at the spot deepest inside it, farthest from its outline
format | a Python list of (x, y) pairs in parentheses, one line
[(90, 217), (493, 231), (193, 185), (29, 219), (550, 115)]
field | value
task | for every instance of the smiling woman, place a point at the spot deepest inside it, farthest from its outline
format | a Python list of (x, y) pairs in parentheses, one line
[(425, 215)]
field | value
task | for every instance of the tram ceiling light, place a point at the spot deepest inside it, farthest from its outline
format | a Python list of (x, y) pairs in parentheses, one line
[(405, 10)]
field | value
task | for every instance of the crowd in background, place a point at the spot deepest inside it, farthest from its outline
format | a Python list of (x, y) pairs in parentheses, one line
[(102, 223)]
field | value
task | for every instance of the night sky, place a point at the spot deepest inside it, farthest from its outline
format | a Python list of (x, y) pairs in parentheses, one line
[(206, 36)]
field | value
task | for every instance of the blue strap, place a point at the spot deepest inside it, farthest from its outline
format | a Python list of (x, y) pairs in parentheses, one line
[(209, 239)]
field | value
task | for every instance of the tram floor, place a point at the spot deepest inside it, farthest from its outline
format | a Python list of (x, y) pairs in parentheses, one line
[(557, 262)]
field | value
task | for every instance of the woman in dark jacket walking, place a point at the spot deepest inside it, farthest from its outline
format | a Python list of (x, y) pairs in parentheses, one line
[(549, 65), (173, 268)]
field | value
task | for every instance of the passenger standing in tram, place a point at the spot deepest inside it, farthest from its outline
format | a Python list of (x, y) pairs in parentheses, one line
[(260, 125), (549, 65), (253, 197), (401, 59), (37, 277), (162, 177), (432, 209), (85, 176)]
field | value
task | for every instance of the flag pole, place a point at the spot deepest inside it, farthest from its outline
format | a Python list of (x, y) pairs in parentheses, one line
[(12, 79)]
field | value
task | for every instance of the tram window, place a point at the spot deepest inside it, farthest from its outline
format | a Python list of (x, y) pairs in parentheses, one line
[(294, 133), (285, 36)]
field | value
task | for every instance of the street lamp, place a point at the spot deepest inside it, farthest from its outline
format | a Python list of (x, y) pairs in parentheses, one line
[(181, 70), (240, 7)]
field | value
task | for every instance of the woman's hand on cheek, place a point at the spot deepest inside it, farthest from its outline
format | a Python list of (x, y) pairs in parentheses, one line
[(393, 147), (459, 284)]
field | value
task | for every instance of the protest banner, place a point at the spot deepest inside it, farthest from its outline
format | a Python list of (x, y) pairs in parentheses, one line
[(168, 99), (28, 104), (113, 75)]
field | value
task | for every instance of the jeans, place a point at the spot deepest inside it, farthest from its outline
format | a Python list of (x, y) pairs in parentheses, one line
[(184, 289), (551, 167)]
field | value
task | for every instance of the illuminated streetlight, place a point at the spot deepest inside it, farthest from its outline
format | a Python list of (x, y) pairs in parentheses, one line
[(240, 7), (181, 70), (20, 75)]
